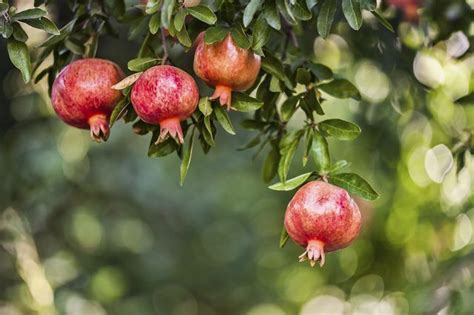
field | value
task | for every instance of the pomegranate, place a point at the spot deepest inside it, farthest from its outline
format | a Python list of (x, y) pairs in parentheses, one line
[(165, 95), (82, 95), (409, 8), (322, 218), (225, 66)]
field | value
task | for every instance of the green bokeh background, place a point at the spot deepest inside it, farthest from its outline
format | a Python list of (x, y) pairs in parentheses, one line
[(104, 229)]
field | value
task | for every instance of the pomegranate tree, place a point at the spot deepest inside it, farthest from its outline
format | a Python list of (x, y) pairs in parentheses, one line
[(82, 95), (165, 96), (225, 66), (322, 218)]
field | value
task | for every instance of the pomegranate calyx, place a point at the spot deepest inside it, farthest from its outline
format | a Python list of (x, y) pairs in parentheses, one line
[(314, 252), (224, 94), (99, 127), (171, 127)]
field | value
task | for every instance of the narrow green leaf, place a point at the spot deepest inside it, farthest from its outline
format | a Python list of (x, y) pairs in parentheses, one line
[(29, 14), (205, 106), (326, 17), (291, 184), (152, 6), (203, 13), (354, 184), (273, 66), (239, 37), (244, 103), (322, 72), (215, 34), (119, 110), (167, 12), (340, 129), (154, 24), (252, 143), (163, 148), (270, 166), (353, 13), (271, 15), (183, 37), (288, 107), (320, 152), (383, 20), (288, 148), (141, 64), (261, 34), (18, 33), (339, 165), (283, 237), (224, 119), (308, 144), (301, 11), (20, 58), (187, 156), (341, 88), (250, 11), (43, 24), (179, 19)]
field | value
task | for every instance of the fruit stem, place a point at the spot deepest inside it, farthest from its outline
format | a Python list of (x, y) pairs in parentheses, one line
[(224, 94), (171, 127), (99, 126), (314, 252)]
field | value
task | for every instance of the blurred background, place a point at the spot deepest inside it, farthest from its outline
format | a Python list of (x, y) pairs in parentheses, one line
[(96, 229)]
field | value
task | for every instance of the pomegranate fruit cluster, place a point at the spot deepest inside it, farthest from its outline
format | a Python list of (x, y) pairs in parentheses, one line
[(83, 96)]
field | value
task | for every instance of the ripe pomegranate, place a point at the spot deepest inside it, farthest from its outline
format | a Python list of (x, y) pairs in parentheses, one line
[(165, 95), (322, 218), (82, 95), (225, 66), (409, 8)]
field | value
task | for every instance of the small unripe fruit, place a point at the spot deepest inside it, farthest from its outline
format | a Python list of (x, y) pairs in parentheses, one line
[(322, 218), (83, 97), (165, 95), (225, 66)]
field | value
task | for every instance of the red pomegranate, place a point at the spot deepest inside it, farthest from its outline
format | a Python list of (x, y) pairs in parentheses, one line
[(82, 95), (165, 95), (322, 218), (409, 8), (225, 66)]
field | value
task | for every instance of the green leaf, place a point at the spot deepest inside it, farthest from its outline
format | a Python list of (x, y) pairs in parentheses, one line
[(383, 20), (203, 13), (163, 148), (154, 24), (291, 184), (119, 110), (205, 106), (322, 72), (261, 34), (466, 100), (179, 19), (207, 132), (308, 144), (127, 82), (239, 37), (354, 184), (273, 66), (224, 120), (167, 12), (353, 13), (271, 15), (270, 166), (320, 152), (187, 155), (340, 129), (18, 33), (183, 37), (288, 146), (29, 14), (301, 11), (215, 34), (341, 88), (326, 17), (250, 11), (339, 165), (152, 6), (283, 237), (252, 143), (64, 32), (20, 58), (244, 103), (288, 107), (3, 7), (7, 30), (311, 102), (141, 64), (303, 76), (43, 24)]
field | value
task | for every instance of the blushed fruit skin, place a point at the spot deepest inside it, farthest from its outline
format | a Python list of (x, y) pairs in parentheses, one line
[(409, 8), (322, 217), (165, 95), (225, 66), (83, 97)]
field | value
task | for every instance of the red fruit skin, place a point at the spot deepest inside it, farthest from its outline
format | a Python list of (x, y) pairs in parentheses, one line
[(409, 7), (165, 95), (225, 66), (83, 97), (322, 216)]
